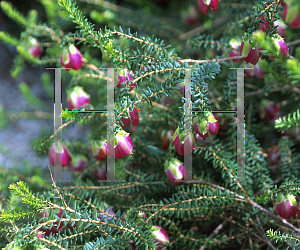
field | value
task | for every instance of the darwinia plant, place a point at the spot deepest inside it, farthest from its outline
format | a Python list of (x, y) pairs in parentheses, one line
[(156, 202)]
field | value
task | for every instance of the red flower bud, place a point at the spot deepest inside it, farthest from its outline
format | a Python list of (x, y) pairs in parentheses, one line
[(134, 116), (191, 15), (71, 58), (286, 206)]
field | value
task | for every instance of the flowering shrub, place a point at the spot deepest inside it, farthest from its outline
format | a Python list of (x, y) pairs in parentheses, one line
[(151, 99)]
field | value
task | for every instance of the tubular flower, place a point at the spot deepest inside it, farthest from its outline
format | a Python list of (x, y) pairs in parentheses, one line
[(134, 116), (249, 54), (35, 48), (205, 5), (286, 206), (175, 170), (166, 138), (282, 48), (184, 141), (71, 58), (100, 173), (78, 98), (291, 15), (78, 163), (122, 145), (59, 154), (160, 235), (123, 75), (256, 71), (98, 150)]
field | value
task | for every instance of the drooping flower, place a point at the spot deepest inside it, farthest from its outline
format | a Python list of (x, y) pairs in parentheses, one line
[(35, 48), (122, 145), (268, 110), (205, 5), (59, 154), (175, 171), (98, 150), (256, 71), (213, 124), (190, 15), (78, 163), (184, 141), (160, 235), (134, 116), (291, 14), (281, 28), (100, 173), (286, 206), (166, 138), (282, 48), (249, 54), (71, 58), (234, 51), (77, 98), (123, 75)]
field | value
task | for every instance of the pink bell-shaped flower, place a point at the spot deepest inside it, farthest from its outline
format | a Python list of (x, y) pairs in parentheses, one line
[(98, 150), (181, 141), (213, 124), (268, 110), (55, 229), (126, 121), (249, 54), (282, 48), (78, 163), (100, 173), (201, 127), (160, 235), (59, 154), (71, 58), (135, 116), (78, 98), (190, 15), (286, 206), (122, 145), (263, 26), (166, 138), (205, 5), (256, 71), (281, 28), (175, 171), (35, 48), (108, 210), (291, 14), (234, 52), (122, 78)]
